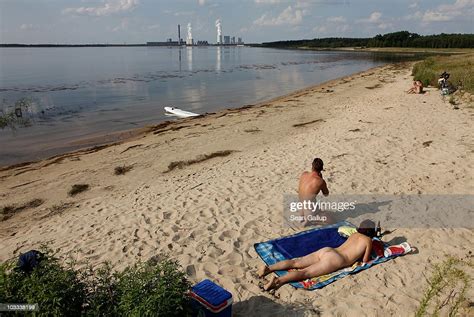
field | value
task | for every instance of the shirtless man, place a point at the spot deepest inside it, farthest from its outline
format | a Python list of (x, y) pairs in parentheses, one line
[(311, 183), (324, 261)]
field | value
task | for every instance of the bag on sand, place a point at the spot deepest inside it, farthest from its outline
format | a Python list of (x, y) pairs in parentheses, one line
[(29, 260)]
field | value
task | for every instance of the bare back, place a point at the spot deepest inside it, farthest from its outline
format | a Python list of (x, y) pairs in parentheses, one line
[(357, 246), (310, 184)]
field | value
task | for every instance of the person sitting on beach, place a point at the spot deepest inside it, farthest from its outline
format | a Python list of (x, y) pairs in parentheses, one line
[(324, 261), (311, 183), (417, 88)]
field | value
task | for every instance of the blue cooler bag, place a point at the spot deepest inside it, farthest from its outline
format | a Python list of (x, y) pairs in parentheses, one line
[(209, 299)]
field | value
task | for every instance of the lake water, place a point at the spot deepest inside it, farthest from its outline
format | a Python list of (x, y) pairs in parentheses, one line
[(79, 93)]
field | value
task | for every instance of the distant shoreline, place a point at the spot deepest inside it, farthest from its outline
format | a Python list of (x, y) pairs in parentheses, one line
[(388, 50), (71, 45), (110, 45)]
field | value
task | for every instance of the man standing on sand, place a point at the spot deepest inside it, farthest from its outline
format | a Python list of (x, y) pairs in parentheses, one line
[(310, 184)]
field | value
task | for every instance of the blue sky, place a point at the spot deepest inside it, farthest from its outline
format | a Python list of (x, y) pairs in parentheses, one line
[(138, 21)]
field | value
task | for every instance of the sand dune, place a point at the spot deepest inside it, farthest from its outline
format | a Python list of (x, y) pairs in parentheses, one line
[(209, 209)]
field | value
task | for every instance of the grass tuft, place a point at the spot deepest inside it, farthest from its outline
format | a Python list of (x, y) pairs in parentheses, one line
[(447, 289), (122, 170), (201, 158), (77, 188), (9, 210)]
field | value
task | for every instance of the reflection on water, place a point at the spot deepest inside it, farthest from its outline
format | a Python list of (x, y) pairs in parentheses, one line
[(218, 59), (190, 58), (79, 92)]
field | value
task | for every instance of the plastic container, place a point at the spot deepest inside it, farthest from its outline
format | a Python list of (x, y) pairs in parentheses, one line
[(210, 300)]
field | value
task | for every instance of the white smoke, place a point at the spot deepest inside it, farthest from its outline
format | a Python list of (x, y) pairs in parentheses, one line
[(219, 31), (190, 32)]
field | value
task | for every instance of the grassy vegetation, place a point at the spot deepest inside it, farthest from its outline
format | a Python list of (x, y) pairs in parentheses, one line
[(447, 289), (199, 159), (9, 210), (459, 66), (121, 170), (156, 288), (12, 117), (77, 188)]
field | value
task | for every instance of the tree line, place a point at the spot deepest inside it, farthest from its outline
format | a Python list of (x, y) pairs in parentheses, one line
[(396, 39)]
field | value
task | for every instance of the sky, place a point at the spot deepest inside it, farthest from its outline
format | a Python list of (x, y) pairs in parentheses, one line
[(139, 21)]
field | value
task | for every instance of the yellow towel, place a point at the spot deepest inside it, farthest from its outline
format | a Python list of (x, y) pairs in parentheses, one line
[(346, 231)]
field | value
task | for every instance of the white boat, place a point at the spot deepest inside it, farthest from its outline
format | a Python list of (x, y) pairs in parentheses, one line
[(180, 113)]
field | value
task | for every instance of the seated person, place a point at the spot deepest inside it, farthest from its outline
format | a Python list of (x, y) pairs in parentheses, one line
[(324, 261), (417, 88)]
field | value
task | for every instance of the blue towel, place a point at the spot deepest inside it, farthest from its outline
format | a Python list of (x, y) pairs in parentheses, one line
[(309, 241)]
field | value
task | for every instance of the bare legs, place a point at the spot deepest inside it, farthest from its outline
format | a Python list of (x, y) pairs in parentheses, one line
[(319, 263)]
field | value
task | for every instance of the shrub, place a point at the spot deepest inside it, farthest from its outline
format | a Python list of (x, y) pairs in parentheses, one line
[(146, 289), (57, 290), (102, 298), (157, 289)]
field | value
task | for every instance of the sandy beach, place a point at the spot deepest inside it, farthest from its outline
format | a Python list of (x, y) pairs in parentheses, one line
[(204, 190)]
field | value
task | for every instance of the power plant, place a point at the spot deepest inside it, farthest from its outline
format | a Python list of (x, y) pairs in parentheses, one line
[(226, 40)]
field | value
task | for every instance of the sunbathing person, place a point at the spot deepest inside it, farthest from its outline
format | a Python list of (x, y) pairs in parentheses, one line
[(324, 261), (417, 88)]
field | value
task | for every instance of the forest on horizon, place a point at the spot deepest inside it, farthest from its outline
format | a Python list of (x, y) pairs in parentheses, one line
[(395, 39)]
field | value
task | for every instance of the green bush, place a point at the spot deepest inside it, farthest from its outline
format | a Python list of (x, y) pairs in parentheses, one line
[(148, 289), (156, 288), (102, 292), (57, 290)]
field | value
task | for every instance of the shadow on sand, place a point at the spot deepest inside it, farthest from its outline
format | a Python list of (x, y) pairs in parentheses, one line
[(263, 306)]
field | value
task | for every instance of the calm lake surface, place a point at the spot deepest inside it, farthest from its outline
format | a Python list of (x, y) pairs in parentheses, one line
[(75, 94)]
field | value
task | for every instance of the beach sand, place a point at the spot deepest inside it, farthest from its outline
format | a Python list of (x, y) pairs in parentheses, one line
[(224, 191)]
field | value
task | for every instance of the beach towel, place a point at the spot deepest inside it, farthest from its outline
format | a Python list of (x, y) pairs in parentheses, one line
[(309, 241)]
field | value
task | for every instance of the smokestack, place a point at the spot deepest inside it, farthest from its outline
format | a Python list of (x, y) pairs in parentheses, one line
[(219, 31), (179, 34)]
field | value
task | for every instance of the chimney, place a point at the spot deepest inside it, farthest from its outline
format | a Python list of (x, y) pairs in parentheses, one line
[(179, 35)]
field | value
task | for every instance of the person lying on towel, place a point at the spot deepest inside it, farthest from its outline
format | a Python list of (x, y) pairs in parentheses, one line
[(324, 261)]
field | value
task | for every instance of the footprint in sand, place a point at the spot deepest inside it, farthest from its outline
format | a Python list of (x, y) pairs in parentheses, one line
[(210, 268), (231, 270), (228, 234), (191, 271), (234, 258)]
